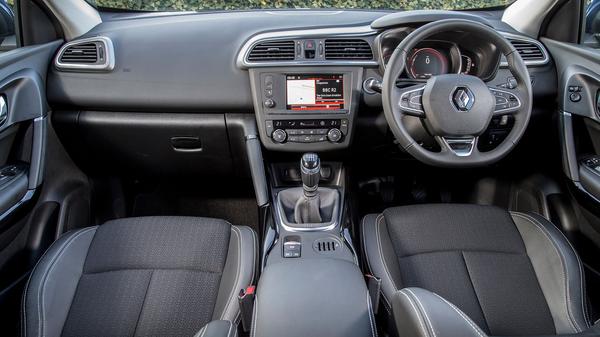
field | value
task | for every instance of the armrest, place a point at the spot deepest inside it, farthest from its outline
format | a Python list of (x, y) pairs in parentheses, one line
[(421, 313), (218, 329)]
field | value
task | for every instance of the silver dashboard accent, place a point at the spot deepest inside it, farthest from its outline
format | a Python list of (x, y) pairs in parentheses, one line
[(107, 65), (243, 62), (514, 37), (3, 110)]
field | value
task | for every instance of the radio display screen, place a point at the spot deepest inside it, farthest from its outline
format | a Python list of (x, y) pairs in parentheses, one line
[(315, 92)]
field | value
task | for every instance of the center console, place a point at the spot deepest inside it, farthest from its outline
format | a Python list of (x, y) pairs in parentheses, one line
[(311, 283), (303, 109)]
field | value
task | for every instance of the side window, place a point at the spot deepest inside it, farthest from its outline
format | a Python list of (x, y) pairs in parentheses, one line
[(7, 26), (592, 23)]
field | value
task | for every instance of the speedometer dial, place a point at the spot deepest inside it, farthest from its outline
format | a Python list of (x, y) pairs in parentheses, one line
[(426, 62)]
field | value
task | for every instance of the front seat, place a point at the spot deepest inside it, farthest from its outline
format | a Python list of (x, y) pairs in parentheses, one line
[(148, 276), (470, 270)]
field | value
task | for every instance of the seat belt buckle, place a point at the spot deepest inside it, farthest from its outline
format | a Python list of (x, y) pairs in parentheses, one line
[(246, 301), (374, 287)]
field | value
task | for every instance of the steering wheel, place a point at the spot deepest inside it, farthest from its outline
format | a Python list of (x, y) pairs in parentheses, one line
[(456, 108)]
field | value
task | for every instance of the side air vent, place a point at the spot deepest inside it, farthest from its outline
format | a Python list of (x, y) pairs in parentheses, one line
[(273, 51), (92, 54), (86, 53), (326, 245), (529, 51), (348, 49)]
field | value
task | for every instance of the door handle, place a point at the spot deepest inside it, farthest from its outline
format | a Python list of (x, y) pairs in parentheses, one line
[(3, 110)]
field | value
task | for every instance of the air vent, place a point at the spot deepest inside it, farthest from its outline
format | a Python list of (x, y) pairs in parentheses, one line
[(92, 54), (273, 51), (529, 51), (348, 49), (326, 245), (86, 53)]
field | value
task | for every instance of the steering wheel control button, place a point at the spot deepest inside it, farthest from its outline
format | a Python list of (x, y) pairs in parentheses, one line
[(411, 102), (463, 99), (334, 135), (506, 102), (575, 97), (279, 136)]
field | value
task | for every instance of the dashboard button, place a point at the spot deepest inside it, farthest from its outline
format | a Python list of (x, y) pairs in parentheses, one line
[(575, 97), (269, 103), (269, 127)]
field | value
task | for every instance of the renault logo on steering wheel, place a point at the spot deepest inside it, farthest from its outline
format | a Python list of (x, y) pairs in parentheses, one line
[(463, 98)]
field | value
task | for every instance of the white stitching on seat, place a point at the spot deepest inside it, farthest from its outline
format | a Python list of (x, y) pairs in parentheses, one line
[(421, 323), (366, 251), (254, 314), (561, 257), (370, 309), (474, 326), (377, 225), (237, 274), (230, 328), (424, 311), (53, 262)]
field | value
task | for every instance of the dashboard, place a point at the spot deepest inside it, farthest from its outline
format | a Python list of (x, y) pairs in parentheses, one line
[(302, 76)]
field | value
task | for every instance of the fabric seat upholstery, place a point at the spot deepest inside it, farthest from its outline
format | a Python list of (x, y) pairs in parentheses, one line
[(510, 273), (149, 276)]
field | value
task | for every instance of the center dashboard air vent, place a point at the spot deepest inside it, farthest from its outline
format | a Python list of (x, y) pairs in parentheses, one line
[(91, 54), (529, 51), (347, 49), (273, 51)]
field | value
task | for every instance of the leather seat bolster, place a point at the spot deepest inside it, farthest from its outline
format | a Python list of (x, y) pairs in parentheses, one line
[(218, 329), (419, 312), (50, 290), (238, 272), (558, 269), (380, 255)]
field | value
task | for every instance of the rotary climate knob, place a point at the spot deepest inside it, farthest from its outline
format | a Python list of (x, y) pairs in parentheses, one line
[(279, 136), (334, 135)]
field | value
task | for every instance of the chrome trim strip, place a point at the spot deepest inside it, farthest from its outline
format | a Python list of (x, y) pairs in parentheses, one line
[(242, 58), (470, 140), (515, 37), (108, 65)]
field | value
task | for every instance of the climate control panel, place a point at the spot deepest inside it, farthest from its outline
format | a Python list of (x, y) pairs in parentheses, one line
[(307, 130)]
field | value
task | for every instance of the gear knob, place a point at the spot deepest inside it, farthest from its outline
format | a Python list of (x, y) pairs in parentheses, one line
[(310, 166)]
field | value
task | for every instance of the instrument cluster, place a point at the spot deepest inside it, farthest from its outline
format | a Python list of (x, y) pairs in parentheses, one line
[(439, 55)]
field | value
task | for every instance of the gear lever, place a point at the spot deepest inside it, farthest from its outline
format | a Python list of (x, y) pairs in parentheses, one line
[(308, 207), (310, 166)]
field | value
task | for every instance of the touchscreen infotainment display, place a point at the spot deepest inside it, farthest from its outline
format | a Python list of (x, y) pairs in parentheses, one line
[(315, 92)]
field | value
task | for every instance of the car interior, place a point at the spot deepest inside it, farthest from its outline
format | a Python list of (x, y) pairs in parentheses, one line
[(296, 168)]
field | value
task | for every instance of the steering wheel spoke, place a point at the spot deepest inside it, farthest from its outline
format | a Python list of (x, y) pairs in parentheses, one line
[(459, 146), (410, 100), (508, 101)]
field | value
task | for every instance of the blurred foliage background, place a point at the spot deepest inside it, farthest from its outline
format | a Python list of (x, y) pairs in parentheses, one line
[(199, 5)]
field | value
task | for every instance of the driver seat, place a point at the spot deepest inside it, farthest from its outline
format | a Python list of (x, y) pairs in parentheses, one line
[(471, 270)]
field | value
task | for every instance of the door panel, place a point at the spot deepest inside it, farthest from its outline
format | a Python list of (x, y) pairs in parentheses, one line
[(23, 128), (578, 70)]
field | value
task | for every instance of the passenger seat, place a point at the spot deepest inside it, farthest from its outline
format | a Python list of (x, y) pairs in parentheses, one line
[(148, 276)]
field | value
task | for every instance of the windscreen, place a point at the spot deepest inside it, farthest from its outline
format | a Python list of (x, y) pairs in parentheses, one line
[(220, 5)]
